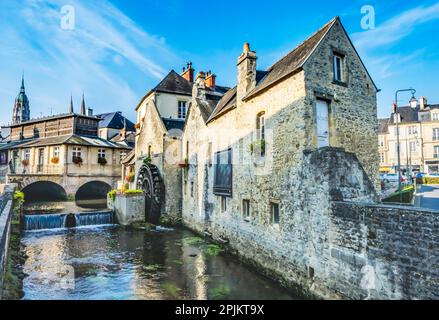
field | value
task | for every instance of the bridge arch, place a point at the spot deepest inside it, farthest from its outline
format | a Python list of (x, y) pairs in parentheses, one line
[(44, 191), (93, 190)]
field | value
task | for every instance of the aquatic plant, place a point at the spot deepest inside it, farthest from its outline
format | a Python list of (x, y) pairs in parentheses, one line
[(212, 250), (220, 293), (152, 267), (193, 241), (171, 289)]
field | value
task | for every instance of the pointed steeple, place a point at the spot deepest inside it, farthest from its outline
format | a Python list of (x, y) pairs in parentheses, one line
[(21, 111), (71, 104), (83, 105), (22, 89)]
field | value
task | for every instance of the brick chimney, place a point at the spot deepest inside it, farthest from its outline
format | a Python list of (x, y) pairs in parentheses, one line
[(188, 72), (210, 80), (422, 103), (246, 72)]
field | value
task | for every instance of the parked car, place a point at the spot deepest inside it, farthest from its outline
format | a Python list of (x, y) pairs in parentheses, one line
[(391, 177), (433, 175)]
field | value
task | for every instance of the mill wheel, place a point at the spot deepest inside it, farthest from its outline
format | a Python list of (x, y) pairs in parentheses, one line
[(151, 183)]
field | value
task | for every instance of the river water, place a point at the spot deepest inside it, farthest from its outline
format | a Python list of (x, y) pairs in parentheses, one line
[(107, 263)]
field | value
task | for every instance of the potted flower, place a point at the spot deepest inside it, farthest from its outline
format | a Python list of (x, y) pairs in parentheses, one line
[(137, 126), (77, 160), (55, 160), (130, 177), (25, 162), (102, 161)]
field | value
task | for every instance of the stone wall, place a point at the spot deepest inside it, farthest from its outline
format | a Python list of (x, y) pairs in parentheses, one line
[(129, 209), (395, 249), (6, 211)]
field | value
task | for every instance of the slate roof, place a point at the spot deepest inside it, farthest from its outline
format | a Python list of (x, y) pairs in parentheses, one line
[(67, 139), (173, 124), (383, 125), (292, 61), (115, 120), (174, 83), (408, 114), (130, 158), (58, 116), (227, 103)]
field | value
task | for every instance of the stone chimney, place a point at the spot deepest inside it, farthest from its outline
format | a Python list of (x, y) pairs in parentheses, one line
[(199, 89), (210, 80), (422, 103), (188, 72), (246, 72)]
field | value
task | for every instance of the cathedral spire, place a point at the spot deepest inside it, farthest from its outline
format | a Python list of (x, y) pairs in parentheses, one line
[(83, 105), (21, 112), (71, 104)]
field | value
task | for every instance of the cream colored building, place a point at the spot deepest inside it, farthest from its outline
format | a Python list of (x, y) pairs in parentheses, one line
[(419, 139)]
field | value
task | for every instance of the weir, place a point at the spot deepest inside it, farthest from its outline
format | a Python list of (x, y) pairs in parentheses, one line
[(67, 220)]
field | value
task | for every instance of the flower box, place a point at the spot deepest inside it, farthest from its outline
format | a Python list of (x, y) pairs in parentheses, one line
[(55, 160), (25, 163), (102, 161), (77, 160)]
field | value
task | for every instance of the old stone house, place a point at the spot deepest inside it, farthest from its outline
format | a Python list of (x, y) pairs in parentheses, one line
[(251, 177), (161, 116)]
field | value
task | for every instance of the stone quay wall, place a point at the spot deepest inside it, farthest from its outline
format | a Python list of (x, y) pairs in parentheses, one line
[(6, 211)]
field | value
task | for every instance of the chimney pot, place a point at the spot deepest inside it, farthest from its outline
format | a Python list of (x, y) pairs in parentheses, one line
[(210, 80), (188, 73), (422, 103), (246, 47)]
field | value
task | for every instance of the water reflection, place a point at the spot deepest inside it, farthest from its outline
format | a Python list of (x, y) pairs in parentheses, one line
[(115, 263)]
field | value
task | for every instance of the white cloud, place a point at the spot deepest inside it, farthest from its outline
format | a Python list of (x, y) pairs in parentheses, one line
[(107, 55), (396, 28)]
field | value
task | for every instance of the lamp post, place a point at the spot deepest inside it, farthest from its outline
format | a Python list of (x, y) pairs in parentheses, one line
[(413, 104)]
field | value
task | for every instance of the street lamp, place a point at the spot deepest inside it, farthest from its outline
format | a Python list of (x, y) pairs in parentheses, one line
[(413, 104)]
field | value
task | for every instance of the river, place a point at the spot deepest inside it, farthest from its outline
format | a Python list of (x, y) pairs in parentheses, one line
[(108, 263)]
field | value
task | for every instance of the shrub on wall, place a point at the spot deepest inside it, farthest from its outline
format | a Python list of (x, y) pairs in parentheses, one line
[(112, 195)]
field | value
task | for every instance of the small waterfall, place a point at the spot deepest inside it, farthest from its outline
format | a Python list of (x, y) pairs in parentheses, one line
[(45, 221), (58, 221), (94, 219)]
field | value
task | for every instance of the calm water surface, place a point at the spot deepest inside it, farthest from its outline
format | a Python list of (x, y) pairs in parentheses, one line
[(115, 263)]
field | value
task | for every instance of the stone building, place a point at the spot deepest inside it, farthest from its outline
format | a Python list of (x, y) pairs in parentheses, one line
[(418, 135), (264, 165), (161, 116), (63, 156)]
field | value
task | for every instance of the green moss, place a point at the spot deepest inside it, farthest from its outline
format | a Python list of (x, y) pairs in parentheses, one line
[(152, 267), (212, 250), (171, 289), (193, 241), (220, 293), (112, 195)]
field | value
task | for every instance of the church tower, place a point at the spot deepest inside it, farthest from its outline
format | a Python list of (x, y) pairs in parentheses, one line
[(21, 111)]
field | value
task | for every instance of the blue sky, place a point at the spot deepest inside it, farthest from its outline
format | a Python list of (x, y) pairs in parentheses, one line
[(120, 49)]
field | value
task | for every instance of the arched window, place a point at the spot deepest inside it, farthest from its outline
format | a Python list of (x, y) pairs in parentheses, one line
[(260, 126)]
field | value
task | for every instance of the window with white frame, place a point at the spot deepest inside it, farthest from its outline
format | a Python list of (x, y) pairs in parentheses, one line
[(260, 126), (381, 141), (413, 130), (412, 146), (56, 152), (339, 67), (181, 109), (77, 152), (102, 154), (123, 154), (435, 116), (382, 158), (26, 154), (436, 134), (436, 152)]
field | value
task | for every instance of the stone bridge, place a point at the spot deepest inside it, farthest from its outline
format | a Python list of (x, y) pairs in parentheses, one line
[(63, 187)]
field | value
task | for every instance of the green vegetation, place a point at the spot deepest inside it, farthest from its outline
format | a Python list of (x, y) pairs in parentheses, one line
[(152, 267), (405, 196), (220, 293), (112, 195), (259, 146), (147, 161), (170, 221), (13, 279), (209, 249), (428, 180), (171, 289), (132, 192)]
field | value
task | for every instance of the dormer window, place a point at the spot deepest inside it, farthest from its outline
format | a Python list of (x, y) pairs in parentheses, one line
[(339, 68), (181, 109)]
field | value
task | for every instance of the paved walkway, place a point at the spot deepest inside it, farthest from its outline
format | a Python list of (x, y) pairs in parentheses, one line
[(428, 196)]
